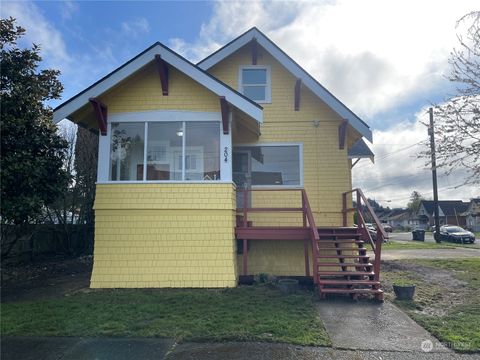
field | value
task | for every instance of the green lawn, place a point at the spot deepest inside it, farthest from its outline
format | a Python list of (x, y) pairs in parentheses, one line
[(254, 313), (406, 245), (395, 245), (454, 320)]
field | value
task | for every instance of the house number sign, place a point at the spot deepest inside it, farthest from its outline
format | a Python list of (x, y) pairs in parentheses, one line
[(225, 154)]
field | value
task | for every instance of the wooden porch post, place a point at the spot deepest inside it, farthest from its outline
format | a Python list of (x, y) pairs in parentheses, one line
[(245, 257), (307, 260)]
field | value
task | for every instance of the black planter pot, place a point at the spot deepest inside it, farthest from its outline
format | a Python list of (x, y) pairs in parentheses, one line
[(404, 292)]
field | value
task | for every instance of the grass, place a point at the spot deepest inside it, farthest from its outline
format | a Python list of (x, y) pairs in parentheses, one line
[(419, 245), (453, 322), (255, 313), (395, 245)]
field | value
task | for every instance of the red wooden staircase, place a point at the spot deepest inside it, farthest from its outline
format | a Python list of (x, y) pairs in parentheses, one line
[(344, 266), (341, 263)]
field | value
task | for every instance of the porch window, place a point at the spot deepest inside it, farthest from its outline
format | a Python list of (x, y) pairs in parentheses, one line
[(255, 83), (267, 165), (126, 150), (174, 151)]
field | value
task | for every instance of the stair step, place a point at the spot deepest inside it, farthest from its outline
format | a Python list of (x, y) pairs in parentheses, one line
[(345, 264), (343, 257), (348, 282), (322, 234), (349, 241), (347, 273), (350, 291)]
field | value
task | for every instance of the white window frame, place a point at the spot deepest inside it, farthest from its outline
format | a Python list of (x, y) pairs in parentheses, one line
[(300, 160), (146, 117), (268, 85)]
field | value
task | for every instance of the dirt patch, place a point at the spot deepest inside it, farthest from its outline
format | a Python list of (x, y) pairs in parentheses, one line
[(44, 279), (437, 290)]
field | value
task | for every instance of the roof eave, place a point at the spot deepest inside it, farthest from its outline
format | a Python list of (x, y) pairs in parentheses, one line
[(100, 87)]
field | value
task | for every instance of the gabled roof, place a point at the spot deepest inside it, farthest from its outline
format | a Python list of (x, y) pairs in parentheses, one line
[(241, 102), (449, 207), (326, 96)]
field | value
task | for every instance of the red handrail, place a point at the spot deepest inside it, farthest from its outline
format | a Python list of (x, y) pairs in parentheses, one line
[(314, 237), (381, 234), (307, 216)]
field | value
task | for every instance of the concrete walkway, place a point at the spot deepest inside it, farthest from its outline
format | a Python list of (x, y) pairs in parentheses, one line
[(374, 326)]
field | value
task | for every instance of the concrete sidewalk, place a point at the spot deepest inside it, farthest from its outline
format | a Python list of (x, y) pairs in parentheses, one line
[(158, 349)]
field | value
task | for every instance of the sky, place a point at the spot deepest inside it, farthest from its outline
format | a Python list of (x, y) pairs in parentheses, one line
[(387, 60)]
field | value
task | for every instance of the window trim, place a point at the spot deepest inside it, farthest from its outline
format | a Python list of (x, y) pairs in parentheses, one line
[(268, 87), (300, 160), (147, 117)]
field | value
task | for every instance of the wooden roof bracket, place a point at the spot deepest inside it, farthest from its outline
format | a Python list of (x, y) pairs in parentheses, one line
[(100, 110), (162, 69), (342, 134), (224, 111), (298, 86), (254, 51)]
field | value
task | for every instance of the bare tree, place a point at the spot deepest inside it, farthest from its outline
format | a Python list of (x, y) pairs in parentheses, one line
[(457, 121), (86, 161), (75, 205)]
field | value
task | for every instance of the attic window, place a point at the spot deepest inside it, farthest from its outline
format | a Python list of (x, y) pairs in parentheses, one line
[(255, 83)]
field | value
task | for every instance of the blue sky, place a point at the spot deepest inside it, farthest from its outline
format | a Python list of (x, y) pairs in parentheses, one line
[(385, 59)]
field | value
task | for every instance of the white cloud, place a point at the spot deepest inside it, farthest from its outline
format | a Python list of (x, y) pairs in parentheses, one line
[(40, 32), (372, 54), (135, 27), (398, 170), (68, 8)]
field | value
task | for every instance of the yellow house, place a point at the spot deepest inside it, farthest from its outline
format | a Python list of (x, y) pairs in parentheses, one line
[(211, 173)]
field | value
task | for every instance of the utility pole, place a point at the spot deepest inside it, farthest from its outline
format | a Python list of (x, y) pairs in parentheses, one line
[(431, 132)]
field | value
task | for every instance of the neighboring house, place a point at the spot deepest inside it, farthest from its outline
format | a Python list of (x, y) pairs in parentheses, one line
[(180, 141), (451, 212), (472, 215), (398, 219)]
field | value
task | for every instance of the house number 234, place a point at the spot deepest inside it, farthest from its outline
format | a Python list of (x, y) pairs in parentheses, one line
[(225, 154)]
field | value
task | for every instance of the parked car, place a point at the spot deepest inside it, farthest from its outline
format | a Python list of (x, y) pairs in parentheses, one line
[(371, 230), (387, 228), (456, 234)]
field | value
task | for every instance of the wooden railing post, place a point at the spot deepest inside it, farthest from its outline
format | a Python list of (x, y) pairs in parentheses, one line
[(245, 199), (378, 252), (304, 211), (245, 257), (313, 236), (344, 204), (359, 205), (305, 242)]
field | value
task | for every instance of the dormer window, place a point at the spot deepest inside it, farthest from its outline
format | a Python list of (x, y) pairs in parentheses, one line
[(255, 83)]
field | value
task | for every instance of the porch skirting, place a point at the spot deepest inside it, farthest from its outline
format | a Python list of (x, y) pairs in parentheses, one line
[(164, 235), (275, 257)]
